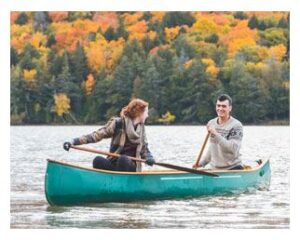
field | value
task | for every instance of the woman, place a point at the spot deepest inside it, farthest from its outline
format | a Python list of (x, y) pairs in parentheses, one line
[(128, 138)]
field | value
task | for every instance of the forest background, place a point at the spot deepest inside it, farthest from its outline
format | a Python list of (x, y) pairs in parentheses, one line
[(83, 67)]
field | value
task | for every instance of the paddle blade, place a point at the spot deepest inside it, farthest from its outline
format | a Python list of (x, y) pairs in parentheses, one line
[(190, 170)]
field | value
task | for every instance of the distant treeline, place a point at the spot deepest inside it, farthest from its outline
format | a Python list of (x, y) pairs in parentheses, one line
[(83, 67)]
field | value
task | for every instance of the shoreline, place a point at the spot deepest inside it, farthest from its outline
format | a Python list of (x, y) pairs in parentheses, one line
[(283, 123)]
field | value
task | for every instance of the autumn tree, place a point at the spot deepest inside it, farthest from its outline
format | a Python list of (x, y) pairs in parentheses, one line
[(173, 19), (22, 19)]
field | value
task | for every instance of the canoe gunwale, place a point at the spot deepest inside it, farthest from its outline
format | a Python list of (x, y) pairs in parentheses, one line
[(155, 172)]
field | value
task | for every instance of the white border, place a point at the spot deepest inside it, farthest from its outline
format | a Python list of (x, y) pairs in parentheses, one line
[(145, 5)]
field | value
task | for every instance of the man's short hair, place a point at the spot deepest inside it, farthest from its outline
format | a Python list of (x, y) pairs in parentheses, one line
[(224, 97)]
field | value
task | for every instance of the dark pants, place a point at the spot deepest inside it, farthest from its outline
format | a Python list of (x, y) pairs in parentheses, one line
[(238, 167), (120, 164)]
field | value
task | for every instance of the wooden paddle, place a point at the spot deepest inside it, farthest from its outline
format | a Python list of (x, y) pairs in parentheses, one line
[(201, 151), (167, 165)]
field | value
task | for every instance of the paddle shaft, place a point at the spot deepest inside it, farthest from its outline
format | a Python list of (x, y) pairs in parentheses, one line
[(167, 165), (202, 149)]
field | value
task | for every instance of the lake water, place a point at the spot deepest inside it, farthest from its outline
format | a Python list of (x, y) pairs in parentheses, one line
[(31, 146)]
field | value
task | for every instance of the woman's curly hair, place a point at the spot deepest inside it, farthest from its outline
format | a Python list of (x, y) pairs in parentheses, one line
[(134, 108)]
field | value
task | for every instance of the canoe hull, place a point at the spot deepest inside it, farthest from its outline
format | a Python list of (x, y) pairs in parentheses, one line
[(67, 184)]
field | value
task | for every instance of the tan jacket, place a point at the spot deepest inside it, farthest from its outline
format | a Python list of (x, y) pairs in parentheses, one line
[(115, 129)]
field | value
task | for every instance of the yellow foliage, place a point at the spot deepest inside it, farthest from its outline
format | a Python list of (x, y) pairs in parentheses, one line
[(89, 84), (167, 118), (95, 55), (38, 39), (37, 107), (62, 104), (238, 43), (213, 71), (264, 15), (188, 64), (171, 33), (86, 25), (277, 52), (261, 66), (20, 35), (263, 52), (208, 61), (211, 68), (152, 35), (29, 75), (286, 85), (103, 54), (205, 25)]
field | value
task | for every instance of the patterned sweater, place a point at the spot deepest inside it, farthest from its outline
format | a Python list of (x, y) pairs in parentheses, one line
[(224, 148)]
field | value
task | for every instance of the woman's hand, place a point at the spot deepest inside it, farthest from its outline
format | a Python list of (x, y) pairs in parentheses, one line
[(67, 146)]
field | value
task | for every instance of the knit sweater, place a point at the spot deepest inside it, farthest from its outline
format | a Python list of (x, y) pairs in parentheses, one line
[(224, 147)]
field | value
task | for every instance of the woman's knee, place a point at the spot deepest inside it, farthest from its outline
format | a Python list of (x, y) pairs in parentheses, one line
[(98, 162), (125, 164)]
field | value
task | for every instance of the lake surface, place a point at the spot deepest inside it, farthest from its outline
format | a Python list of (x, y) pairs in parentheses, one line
[(31, 146)]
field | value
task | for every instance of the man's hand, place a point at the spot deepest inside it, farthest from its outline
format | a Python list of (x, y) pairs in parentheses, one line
[(195, 166), (211, 129)]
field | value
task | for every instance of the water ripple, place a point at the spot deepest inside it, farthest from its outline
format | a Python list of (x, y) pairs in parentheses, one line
[(31, 146)]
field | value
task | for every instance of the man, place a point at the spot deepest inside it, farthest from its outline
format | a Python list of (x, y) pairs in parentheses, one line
[(226, 135)]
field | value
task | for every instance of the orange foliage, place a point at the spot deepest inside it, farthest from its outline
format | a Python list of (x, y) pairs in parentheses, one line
[(157, 16), (131, 19), (239, 36), (13, 16), (57, 16), (137, 30), (153, 51), (67, 36), (106, 20), (222, 19), (89, 84)]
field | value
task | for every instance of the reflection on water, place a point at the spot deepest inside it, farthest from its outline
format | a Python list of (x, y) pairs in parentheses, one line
[(178, 145)]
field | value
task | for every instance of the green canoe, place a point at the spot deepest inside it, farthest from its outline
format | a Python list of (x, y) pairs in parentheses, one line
[(69, 184)]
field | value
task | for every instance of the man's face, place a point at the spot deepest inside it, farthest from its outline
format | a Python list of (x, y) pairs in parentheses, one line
[(223, 109)]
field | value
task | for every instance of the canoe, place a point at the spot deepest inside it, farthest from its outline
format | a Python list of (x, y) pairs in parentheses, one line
[(70, 184)]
